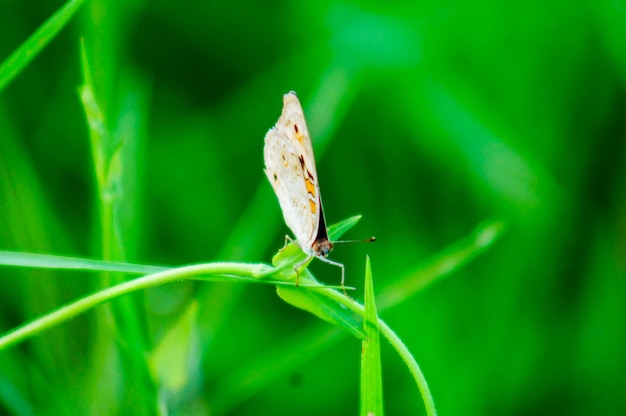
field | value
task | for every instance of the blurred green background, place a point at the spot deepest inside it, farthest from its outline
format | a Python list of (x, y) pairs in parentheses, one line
[(427, 117)]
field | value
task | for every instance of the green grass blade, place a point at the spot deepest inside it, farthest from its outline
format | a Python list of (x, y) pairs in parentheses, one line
[(371, 373), (443, 264), (337, 230), (336, 307), (157, 275), (405, 354), (48, 261), (28, 50), (209, 271), (412, 365), (320, 305), (113, 143)]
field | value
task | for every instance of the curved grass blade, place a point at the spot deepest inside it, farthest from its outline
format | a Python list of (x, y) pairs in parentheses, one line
[(28, 50), (322, 306), (233, 272), (442, 264)]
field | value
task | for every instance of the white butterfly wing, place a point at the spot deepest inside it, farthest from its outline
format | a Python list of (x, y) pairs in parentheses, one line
[(290, 168)]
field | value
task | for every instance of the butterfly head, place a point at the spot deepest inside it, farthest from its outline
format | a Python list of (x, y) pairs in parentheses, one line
[(322, 247)]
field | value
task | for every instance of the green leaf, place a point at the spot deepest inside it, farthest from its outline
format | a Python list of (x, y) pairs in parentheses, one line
[(371, 374), (28, 50), (336, 231), (323, 305)]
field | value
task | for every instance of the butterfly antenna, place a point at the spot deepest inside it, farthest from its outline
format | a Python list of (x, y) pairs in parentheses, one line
[(367, 240)]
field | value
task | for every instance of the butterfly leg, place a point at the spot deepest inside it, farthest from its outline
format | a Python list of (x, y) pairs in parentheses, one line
[(287, 241), (296, 268), (343, 271)]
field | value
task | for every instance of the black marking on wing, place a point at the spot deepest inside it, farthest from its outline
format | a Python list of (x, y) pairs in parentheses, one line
[(322, 233)]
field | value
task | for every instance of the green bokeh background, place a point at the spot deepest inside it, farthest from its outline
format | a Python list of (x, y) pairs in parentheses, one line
[(427, 118)]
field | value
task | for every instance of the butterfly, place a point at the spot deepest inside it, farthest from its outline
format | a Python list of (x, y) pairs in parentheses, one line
[(290, 168)]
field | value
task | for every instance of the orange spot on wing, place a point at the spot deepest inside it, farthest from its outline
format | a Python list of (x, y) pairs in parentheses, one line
[(313, 206), (310, 186)]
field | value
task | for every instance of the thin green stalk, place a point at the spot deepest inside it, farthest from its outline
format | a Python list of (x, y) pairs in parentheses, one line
[(245, 272), (28, 50), (414, 368)]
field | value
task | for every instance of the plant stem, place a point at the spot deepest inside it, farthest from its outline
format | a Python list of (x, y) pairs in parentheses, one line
[(244, 272)]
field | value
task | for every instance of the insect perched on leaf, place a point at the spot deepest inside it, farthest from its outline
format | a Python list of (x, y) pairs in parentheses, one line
[(290, 168)]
